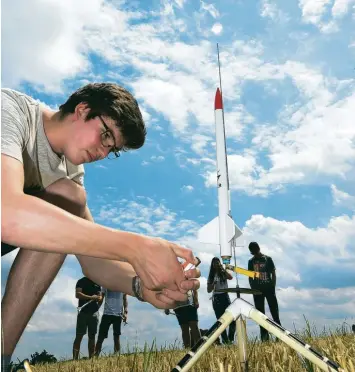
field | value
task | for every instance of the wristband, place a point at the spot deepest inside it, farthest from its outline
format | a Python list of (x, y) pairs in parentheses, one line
[(137, 288)]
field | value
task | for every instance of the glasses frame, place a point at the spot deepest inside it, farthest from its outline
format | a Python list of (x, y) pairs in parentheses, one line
[(114, 149)]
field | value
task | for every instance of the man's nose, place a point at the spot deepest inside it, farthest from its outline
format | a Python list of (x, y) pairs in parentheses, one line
[(103, 152)]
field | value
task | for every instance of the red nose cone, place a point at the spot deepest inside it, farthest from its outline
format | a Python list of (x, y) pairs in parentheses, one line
[(218, 104)]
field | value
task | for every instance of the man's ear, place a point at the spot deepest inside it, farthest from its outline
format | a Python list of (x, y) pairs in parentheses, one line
[(81, 110)]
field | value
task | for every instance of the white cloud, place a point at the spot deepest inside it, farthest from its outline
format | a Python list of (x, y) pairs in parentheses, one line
[(180, 3), (187, 188), (342, 198), (209, 8), (296, 245), (51, 44), (146, 216), (311, 143), (217, 28), (157, 159), (314, 11), (341, 7), (270, 10)]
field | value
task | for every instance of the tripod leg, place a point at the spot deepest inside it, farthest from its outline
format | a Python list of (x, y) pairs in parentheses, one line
[(242, 343), (204, 343), (293, 341)]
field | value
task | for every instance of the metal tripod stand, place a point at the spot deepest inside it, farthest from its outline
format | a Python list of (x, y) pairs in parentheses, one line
[(238, 309)]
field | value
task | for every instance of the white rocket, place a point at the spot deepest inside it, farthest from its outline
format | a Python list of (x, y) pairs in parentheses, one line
[(221, 230)]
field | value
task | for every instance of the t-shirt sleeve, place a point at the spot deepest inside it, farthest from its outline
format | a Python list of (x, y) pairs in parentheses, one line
[(271, 264), (79, 284), (250, 265), (75, 172), (14, 128)]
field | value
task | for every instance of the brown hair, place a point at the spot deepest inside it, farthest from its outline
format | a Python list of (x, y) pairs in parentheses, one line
[(112, 100)]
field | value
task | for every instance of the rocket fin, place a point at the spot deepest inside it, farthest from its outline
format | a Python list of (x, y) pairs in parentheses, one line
[(209, 233)]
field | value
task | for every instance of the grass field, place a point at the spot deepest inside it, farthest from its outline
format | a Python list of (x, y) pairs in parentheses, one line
[(337, 345)]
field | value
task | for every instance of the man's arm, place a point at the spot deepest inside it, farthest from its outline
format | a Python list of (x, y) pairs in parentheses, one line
[(31, 223), (250, 268), (272, 269), (229, 275), (195, 297), (125, 303), (273, 277), (81, 296), (210, 287)]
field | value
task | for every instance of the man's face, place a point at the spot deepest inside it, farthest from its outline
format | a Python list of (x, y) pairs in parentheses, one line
[(91, 140), (254, 251)]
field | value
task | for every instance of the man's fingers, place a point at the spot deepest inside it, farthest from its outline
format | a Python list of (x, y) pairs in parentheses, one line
[(165, 302), (175, 295), (190, 284), (193, 273), (184, 253)]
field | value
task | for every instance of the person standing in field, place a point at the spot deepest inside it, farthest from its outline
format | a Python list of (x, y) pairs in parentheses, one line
[(90, 299), (115, 311), (187, 317), (217, 279), (266, 284)]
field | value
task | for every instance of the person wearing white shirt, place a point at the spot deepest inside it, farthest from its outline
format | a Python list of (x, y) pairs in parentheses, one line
[(115, 310), (217, 279)]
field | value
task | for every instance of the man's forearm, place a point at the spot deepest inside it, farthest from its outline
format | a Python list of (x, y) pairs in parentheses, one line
[(113, 275), (82, 296), (109, 274), (31, 223)]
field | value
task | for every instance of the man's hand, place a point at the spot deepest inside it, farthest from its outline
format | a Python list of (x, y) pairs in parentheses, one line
[(95, 297), (167, 299), (158, 267), (125, 316), (196, 304)]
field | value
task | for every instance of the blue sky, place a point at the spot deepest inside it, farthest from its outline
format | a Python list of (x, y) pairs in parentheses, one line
[(289, 94)]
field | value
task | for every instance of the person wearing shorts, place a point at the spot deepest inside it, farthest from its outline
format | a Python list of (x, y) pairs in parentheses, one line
[(115, 310), (90, 299), (188, 320)]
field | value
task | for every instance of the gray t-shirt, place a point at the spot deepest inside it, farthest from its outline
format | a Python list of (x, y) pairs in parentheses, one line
[(23, 138), (113, 302)]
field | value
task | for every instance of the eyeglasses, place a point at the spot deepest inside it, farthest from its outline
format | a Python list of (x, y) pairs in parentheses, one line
[(108, 140)]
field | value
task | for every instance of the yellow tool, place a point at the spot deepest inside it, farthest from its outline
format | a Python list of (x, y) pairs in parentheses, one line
[(240, 270)]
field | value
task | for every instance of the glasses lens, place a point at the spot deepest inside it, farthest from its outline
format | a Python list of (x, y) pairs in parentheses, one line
[(107, 139), (113, 155)]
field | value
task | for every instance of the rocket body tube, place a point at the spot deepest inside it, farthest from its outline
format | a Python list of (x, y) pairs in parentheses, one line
[(222, 183)]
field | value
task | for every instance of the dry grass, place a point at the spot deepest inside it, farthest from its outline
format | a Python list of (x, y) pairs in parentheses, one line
[(263, 357)]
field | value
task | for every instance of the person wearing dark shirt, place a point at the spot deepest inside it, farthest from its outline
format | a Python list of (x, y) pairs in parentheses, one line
[(266, 283), (90, 299)]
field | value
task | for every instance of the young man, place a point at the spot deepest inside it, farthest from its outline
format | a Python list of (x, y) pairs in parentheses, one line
[(188, 320), (90, 299), (266, 283), (115, 310), (44, 208)]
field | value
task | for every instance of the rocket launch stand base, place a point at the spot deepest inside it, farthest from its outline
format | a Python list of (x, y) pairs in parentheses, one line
[(236, 311)]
